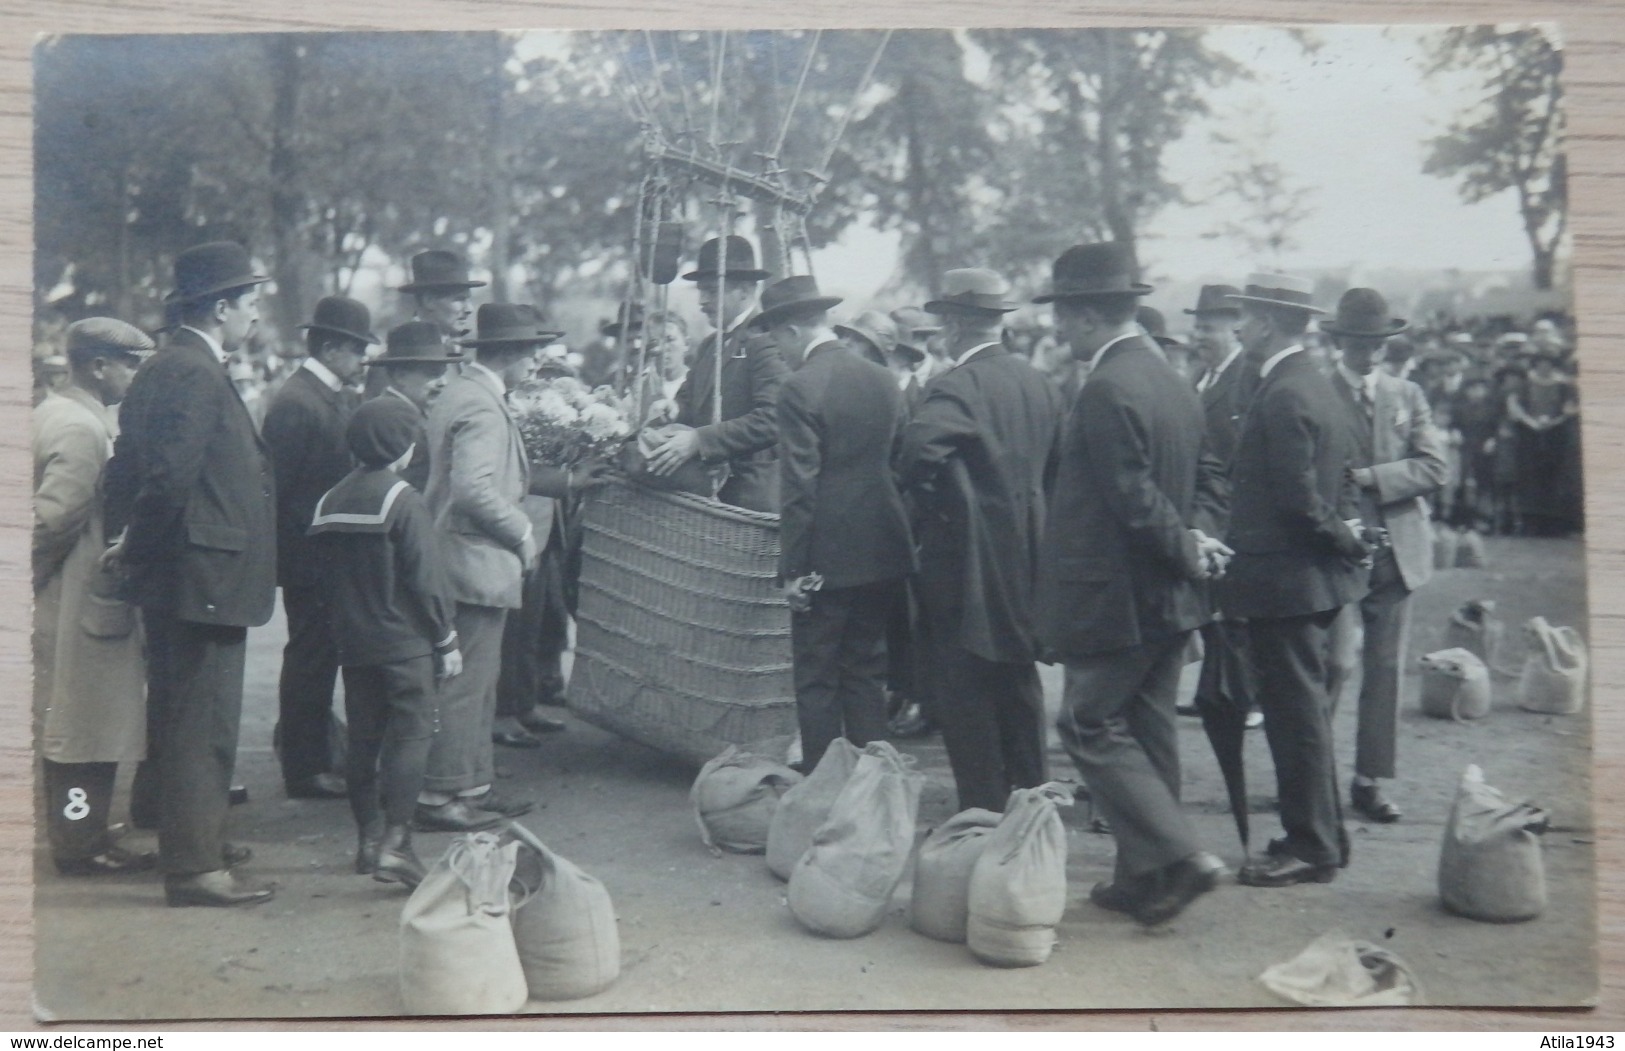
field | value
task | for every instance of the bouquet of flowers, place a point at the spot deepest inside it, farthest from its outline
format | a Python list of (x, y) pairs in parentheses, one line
[(563, 423)]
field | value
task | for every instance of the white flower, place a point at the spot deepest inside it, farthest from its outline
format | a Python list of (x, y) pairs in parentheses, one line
[(602, 422)]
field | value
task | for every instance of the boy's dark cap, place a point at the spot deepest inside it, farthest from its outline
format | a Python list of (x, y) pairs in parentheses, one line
[(382, 429)]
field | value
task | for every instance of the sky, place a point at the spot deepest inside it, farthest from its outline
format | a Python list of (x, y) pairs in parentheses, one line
[(1351, 121)]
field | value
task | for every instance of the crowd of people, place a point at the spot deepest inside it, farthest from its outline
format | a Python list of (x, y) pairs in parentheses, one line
[(956, 503)]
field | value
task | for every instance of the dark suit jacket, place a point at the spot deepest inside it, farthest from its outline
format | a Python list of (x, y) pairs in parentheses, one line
[(194, 484), (748, 434), (304, 429), (1133, 479), (839, 416), (975, 459), (1223, 405), (1290, 495)]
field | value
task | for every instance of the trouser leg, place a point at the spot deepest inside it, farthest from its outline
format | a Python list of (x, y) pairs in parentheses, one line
[(554, 630), (200, 741), (1019, 710), (1290, 657), (862, 662), (146, 790), (815, 638), (1386, 614), (409, 729), (519, 681), (460, 759), (78, 797), (364, 713), (965, 697), (310, 666)]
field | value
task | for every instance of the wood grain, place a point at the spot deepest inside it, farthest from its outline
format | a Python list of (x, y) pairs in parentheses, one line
[(1595, 80)]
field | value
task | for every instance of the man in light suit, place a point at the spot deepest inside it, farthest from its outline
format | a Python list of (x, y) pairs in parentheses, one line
[(842, 521), (974, 461), (1399, 462), (745, 434), (191, 487), (478, 477), (1127, 550), (1298, 561)]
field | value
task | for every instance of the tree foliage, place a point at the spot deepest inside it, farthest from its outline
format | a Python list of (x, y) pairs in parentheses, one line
[(1513, 138)]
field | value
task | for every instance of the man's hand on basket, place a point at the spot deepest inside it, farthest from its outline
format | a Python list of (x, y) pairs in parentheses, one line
[(592, 478), (674, 452)]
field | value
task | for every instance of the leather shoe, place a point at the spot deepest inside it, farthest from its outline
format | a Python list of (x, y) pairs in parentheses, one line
[(219, 889), (1368, 800), (911, 724), (319, 786), (234, 854), (1115, 898), (1177, 886), (114, 861), (455, 816), (492, 803), (515, 739), (1278, 848), (537, 723), (1284, 870)]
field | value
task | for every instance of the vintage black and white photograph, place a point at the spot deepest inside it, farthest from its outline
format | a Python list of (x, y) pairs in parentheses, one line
[(651, 521)]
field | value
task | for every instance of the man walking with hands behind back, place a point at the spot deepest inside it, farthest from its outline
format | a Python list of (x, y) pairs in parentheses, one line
[(1126, 554), (191, 487), (1297, 562), (974, 459)]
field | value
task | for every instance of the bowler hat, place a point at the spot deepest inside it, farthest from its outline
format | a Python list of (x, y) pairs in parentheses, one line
[(97, 337), (789, 296), (438, 270), (974, 290), (209, 269), (1363, 312), (1150, 319), (875, 328), (415, 343), (342, 316), (1215, 299), (1279, 290), (1088, 271), (740, 262), (515, 324), (632, 316)]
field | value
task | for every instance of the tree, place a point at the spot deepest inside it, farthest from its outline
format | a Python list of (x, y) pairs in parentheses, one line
[(1271, 208), (1512, 139)]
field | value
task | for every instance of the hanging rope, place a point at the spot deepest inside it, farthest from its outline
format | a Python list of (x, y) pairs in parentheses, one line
[(721, 59), (795, 98), (659, 78), (614, 86), (689, 130), (637, 85), (846, 118)]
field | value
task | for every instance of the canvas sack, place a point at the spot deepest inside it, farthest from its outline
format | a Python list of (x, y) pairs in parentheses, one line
[(844, 883), (1490, 867), (1475, 628), (1554, 673), (1470, 550), (940, 904), (735, 797), (1455, 685), (1018, 885), (805, 806), (563, 925), (457, 946)]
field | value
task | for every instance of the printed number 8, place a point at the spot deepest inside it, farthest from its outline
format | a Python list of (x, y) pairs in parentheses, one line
[(78, 807)]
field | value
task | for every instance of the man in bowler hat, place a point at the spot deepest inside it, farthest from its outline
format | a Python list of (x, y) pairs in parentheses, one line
[(191, 488), (845, 543), (1127, 550), (478, 476), (744, 433), (441, 291), (414, 365), (304, 429), (973, 460), (1299, 558), (1398, 463)]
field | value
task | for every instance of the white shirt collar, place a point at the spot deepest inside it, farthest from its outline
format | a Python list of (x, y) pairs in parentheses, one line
[(484, 374), (391, 390), (1357, 381), (971, 353), (323, 373), (214, 344), (1094, 362), (1275, 359), (822, 336)]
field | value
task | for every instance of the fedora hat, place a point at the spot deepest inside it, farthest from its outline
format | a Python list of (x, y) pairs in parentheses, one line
[(342, 316), (438, 270), (105, 337), (1363, 312), (1216, 299), (975, 290), (1087, 271), (1279, 290), (209, 269), (789, 296), (1150, 319), (741, 261), (875, 328), (415, 343), (512, 324), (912, 321), (612, 326)]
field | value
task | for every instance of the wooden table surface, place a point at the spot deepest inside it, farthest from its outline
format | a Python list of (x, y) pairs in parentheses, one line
[(1595, 81)]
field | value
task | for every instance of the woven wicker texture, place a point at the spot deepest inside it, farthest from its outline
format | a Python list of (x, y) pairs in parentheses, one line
[(682, 636)]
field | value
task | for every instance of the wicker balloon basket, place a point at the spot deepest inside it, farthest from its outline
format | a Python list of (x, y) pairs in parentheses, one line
[(682, 636)]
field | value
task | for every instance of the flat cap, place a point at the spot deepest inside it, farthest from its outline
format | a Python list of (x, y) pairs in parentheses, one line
[(96, 336)]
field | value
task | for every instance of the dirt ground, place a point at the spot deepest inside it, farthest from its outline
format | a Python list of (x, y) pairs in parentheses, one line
[(714, 934)]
